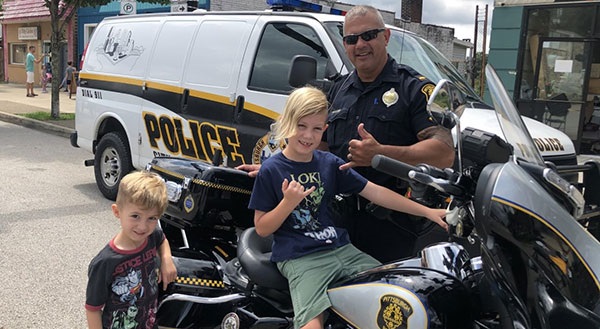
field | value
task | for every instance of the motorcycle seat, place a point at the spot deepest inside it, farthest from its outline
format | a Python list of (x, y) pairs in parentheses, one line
[(254, 254)]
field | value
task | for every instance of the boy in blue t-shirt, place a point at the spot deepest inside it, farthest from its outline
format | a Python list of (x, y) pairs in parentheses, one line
[(291, 196)]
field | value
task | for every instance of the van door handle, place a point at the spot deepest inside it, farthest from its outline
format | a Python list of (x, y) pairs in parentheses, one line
[(239, 107), (83, 82), (184, 100)]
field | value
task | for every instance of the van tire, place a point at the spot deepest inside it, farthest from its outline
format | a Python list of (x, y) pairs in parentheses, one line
[(112, 161)]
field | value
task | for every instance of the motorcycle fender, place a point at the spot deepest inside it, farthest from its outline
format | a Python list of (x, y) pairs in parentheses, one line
[(392, 297)]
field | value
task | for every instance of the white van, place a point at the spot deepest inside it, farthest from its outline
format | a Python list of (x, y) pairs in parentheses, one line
[(194, 85)]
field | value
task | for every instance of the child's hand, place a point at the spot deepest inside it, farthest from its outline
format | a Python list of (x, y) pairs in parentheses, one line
[(168, 272), (294, 192), (437, 216)]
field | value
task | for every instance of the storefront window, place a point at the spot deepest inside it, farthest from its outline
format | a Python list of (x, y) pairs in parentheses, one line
[(556, 23), (18, 52)]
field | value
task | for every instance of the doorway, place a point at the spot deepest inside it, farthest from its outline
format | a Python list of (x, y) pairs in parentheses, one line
[(559, 89)]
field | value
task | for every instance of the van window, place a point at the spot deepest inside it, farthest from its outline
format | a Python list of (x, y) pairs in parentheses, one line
[(224, 40), (279, 43), (171, 49), (122, 48)]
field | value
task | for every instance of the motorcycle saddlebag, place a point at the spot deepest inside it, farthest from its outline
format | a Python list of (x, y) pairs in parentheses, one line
[(203, 195)]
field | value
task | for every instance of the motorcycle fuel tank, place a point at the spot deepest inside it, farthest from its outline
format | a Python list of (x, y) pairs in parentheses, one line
[(395, 297)]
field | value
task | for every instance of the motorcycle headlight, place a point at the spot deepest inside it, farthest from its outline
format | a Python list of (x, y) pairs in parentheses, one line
[(174, 191)]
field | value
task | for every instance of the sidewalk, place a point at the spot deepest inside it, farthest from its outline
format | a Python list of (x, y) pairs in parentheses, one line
[(13, 101)]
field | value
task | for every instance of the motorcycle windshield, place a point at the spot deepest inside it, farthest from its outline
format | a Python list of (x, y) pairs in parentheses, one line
[(510, 120)]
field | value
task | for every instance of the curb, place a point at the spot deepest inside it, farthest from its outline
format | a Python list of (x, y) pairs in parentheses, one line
[(36, 124)]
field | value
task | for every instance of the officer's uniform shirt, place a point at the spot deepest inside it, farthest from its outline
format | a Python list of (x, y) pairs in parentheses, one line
[(393, 109)]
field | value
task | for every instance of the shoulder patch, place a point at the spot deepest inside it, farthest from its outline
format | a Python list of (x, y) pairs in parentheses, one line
[(427, 89)]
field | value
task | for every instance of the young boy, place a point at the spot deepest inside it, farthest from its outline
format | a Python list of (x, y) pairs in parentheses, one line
[(291, 196), (123, 281), (68, 75)]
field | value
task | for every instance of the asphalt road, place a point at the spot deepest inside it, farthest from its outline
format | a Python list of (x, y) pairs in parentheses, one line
[(53, 221)]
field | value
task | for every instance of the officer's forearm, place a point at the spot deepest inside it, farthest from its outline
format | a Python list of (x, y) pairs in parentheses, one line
[(430, 151)]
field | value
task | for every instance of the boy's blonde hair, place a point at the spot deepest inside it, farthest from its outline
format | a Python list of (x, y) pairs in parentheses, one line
[(301, 102), (144, 189)]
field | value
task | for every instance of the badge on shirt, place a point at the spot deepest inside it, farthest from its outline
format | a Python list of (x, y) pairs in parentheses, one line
[(390, 97)]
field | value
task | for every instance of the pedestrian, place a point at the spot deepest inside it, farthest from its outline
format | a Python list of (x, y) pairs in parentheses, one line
[(291, 197), (380, 108), (122, 290), (30, 62), (45, 77), (68, 76)]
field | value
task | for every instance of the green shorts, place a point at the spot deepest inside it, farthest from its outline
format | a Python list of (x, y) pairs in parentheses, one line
[(309, 277)]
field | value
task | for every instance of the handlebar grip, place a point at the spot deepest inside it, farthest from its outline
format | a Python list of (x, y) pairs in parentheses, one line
[(392, 167)]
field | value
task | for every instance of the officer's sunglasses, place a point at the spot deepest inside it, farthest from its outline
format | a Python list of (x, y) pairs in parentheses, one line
[(352, 39)]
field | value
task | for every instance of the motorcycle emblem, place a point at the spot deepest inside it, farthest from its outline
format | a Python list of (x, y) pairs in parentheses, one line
[(390, 97), (230, 321), (188, 203), (393, 312)]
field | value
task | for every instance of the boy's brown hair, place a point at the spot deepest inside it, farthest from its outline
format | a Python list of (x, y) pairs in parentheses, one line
[(144, 189)]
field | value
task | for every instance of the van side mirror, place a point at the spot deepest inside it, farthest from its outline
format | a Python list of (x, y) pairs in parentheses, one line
[(303, 71)]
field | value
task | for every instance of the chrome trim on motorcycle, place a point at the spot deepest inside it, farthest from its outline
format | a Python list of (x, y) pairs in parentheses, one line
[(575, 197), (446, 257), (202, 300)]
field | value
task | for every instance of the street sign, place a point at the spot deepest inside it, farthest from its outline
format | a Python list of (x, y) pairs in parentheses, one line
[(178, 7), (128, 7)]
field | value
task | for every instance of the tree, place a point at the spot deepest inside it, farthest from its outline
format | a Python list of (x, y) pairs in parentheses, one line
[(61, 14)]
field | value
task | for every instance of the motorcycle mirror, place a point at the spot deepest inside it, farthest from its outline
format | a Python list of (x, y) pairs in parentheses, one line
[(445, 106)]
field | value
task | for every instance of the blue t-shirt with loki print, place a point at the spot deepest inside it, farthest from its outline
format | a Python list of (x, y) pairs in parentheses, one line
[(310, 227)]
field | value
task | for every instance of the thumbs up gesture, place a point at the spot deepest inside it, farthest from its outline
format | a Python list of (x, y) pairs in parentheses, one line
[(360, 152)]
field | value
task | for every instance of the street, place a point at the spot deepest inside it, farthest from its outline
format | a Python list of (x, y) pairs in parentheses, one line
[(53, 220)]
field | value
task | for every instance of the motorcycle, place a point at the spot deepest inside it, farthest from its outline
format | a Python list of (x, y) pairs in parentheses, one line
[(538, 264)]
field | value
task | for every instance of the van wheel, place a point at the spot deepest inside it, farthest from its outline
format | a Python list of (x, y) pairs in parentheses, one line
[(111, 162)]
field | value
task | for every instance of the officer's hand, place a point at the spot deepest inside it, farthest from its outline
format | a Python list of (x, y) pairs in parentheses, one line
[(252, 169), (361, 152)]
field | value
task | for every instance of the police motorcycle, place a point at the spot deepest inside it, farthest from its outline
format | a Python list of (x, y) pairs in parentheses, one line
[(537, 236)]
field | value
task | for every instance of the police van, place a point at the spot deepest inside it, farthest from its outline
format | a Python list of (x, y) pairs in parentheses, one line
[(208, 84)]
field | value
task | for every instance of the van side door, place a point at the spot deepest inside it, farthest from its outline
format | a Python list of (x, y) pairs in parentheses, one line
[(162, 119), (197, 67), (263, 83), (211, 76)]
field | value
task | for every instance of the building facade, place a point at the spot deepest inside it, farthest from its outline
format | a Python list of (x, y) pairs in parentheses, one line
[(27, 23), (547, 54)]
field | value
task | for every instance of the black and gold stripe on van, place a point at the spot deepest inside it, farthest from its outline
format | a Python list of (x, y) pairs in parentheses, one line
[(209, 118), (209, 106)]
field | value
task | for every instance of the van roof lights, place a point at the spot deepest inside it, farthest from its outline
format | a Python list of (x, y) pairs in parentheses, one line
[(299, 5)]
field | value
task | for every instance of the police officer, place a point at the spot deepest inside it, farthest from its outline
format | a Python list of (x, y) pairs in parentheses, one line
[(380, 108)]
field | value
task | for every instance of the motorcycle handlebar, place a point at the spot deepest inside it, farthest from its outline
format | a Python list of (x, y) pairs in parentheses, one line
[(423, 174), (393, 167)]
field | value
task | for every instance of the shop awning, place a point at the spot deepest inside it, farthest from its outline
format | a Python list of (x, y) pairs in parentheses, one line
[(24, 10)]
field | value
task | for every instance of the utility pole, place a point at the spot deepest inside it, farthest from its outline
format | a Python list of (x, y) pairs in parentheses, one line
[(481, 22)]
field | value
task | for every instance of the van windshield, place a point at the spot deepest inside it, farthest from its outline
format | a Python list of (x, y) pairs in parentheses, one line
[(411, 50)]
